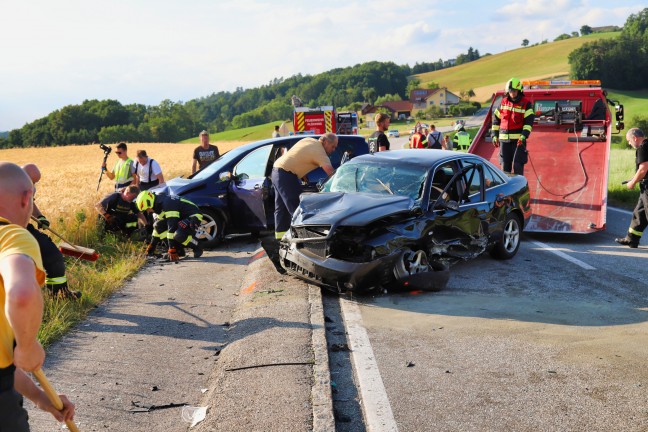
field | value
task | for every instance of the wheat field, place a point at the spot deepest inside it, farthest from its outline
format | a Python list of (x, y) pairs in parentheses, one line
[(70, 174)]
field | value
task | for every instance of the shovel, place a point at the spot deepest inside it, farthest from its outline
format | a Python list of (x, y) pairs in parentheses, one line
[(53, 397)]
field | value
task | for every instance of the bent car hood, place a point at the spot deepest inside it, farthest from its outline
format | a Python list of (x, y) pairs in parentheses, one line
[(176, 186), (341, 208)]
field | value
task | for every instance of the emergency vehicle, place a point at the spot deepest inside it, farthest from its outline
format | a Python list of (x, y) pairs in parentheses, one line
[(569, 150), (324, 119)]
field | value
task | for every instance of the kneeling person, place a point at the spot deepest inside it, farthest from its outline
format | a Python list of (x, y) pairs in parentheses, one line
[(119, 211), (177, 222)]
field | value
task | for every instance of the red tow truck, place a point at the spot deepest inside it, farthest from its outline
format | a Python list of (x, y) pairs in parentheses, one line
[(569, 151)]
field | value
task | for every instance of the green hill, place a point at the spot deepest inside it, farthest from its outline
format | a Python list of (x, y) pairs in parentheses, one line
[(489, 73)]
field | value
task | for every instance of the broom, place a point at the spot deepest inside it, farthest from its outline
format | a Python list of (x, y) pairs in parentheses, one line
[(53, 397), (72, 250)]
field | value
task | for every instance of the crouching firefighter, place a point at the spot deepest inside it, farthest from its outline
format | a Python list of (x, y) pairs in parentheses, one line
[(177, 222)]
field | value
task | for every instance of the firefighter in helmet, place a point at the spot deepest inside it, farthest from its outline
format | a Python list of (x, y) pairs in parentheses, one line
[(512, 124), (177, 222)]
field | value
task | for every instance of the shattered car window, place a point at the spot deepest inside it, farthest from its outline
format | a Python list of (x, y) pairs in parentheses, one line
[(378, 178)]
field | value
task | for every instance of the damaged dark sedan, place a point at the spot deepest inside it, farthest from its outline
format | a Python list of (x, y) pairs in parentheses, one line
[(402, 218)]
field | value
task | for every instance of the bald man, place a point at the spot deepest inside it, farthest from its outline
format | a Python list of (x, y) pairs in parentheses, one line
[(56, 280), (21, 275)]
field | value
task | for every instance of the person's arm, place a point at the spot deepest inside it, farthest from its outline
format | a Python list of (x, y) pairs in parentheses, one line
[(101, 209), (26, 387), (160, 177), (328, 169), (639, 175), (24, 309), (159, 174)]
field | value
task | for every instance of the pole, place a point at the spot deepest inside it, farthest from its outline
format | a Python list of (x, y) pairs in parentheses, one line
[(53, 397), (102, 170)]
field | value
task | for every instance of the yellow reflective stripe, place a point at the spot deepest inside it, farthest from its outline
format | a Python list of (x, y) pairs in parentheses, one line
[(515, 109), (635, 232), (131, 224), (497, 113), (172, 214), (186, 242), (508, 136), (187, 201), (528, 112), (170, 235), (279, 234), (496, 127), (56, 281), (160, 235), (198, 216), (527, 128)]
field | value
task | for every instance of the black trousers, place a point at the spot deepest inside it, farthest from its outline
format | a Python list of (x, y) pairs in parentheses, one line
[(53, 261), (639, 220), (513, 156), (13, 417), (287, 190)]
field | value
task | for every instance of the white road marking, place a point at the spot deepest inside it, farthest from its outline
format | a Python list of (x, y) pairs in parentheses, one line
[(377, 410), (563, 255), (626, 212)]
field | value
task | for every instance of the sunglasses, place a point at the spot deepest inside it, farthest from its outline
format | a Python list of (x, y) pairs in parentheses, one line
[(118, 152)]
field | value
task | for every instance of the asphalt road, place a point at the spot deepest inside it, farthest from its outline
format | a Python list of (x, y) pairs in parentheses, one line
[(555, 339)]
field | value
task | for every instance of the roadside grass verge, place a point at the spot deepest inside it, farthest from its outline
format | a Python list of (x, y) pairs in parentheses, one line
[(119, 260)]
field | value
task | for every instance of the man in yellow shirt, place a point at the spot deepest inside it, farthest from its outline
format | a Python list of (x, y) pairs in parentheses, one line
[(21, 276), (306, 155)]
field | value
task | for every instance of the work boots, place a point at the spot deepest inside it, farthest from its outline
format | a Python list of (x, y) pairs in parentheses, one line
[(630, 240), (62, 291), (197, 250)]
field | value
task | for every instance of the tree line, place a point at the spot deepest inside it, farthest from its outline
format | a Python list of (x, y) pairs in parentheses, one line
[(619, 63)]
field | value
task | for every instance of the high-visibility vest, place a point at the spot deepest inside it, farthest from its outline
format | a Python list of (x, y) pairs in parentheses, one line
[(513, 119), (123, 172)]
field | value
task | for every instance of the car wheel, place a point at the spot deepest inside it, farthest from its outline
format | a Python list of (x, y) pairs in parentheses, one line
[(413, 270), (509, 243), (210, 232)]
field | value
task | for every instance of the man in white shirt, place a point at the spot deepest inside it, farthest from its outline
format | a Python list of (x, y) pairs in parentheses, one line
[(148, 172)]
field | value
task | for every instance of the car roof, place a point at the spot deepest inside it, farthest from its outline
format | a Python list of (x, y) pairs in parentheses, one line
[(421, 157)]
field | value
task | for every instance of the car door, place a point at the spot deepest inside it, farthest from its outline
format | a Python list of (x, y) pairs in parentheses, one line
[(248, 191), (457, 201)]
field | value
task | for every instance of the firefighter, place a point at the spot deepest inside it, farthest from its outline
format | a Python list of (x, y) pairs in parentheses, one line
[(637, 139), (462, 138), (53, 261), (512, 124), (177, 222), (118, 212)]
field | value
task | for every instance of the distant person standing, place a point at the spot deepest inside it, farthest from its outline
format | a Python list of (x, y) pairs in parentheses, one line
[(148, 172), (512, 124), (417, 140), (637, 139), (378, 141), (462, 138), (436, 139), (276, 133), (124, 168), (204, 154)]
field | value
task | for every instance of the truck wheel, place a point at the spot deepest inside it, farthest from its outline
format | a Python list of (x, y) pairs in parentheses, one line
[(509, 243), (210, 232)]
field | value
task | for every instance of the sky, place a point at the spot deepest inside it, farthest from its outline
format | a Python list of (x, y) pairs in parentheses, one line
[(58, 53)]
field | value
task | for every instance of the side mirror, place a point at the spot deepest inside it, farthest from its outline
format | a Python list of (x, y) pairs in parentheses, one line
[(225, 176), (619, 112), (619, 126)]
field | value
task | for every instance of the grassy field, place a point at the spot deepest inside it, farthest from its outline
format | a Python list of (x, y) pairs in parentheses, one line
[(490, 73)]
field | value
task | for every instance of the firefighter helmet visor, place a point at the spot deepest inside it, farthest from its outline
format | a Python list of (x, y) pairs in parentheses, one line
[(145, 200)]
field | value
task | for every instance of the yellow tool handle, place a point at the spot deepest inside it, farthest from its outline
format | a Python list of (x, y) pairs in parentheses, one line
[(53, 397)]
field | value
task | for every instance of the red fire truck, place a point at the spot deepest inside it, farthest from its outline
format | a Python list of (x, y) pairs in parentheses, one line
[(324, 119)]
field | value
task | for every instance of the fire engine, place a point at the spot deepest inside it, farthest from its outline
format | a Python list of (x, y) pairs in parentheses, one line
[(324, 119), (569, 150)]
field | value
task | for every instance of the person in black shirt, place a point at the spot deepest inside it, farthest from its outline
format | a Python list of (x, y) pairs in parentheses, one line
[(119, 213), (378, 141), (204, 154), (637, 139)]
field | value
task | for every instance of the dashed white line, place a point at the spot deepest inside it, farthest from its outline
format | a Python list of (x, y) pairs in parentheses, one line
[(377, 410), (563, 255)]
